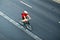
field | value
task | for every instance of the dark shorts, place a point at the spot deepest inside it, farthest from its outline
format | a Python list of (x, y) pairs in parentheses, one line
[(26, 22)]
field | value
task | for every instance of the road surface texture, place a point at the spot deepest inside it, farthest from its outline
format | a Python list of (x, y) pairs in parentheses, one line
[(45, 16)]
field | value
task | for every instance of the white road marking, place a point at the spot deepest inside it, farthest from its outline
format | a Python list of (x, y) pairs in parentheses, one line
[(19, 26), (59, 22), (58, 1), (25, 4)]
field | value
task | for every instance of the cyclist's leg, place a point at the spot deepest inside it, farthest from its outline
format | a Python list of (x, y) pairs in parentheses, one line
[(28, 22), (28, 26), (24, 25)]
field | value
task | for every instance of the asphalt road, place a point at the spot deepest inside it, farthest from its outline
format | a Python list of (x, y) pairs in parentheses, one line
[(45, 16)]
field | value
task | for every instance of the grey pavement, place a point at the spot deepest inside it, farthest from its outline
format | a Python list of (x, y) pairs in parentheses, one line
[(45, 16)]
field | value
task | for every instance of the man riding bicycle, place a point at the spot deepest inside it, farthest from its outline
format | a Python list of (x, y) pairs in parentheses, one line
[(25, 17)]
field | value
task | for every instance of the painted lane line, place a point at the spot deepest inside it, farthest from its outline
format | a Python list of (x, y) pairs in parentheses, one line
[(58, 1), (59, 22), (20, 27), (26, 4)]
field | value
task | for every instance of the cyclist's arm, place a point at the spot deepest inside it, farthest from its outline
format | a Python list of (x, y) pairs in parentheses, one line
[(29, 17)]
